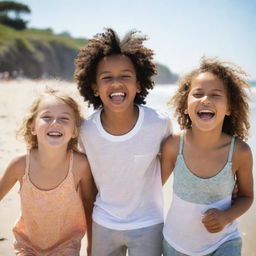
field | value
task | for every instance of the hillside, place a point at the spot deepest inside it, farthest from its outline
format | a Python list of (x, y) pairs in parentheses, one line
[(38, 53)]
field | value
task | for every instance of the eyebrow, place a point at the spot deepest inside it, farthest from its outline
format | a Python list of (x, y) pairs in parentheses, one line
[(123, 70), (200, 89), (67, 113), (49, 112)]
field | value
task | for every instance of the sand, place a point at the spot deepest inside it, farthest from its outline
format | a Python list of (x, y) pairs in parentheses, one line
[(15, 97)]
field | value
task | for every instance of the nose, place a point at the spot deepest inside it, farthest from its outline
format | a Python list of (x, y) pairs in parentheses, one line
[(55, 122), (205, 100), (116, 82)]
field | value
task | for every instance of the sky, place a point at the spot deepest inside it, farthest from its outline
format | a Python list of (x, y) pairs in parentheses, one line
[(179, 31)]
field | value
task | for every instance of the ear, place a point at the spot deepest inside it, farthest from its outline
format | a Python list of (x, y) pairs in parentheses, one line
[(186, 111), (138, 87), (228, 112), (95, 90), (32, 129), (75, 133)]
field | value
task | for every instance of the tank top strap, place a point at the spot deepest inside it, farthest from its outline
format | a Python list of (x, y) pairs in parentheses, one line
[(231, 149), (70, 175), (27, 163), (71, 158), (181, 143)]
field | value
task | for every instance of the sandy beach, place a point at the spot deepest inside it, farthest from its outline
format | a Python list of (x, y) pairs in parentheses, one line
[(15, 97)]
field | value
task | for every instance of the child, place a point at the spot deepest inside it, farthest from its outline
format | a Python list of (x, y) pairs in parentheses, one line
[(51, 175), (207, 160), (122, 140)]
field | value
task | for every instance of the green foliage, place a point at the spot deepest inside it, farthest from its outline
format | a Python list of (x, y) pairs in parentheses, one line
[(9, 36), (38, 52), (18, 24), (8, 6)]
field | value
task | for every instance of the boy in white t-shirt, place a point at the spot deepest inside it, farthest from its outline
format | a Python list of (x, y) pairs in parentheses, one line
[(122, 140)]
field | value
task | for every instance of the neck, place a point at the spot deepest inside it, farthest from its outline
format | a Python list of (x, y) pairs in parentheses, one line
[(119, 123), (51, 157), (204, 140)]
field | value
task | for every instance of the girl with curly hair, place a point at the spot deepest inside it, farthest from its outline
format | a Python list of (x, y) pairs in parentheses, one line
[(207, 159), (122, 140)]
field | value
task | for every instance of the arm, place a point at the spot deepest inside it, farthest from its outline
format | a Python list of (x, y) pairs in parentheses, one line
[(169, 152), (12, 174), (89, 192), (215, 220)]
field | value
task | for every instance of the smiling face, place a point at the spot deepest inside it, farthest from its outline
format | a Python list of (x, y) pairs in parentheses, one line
[(54, 123), (116, 83), (207, 102)]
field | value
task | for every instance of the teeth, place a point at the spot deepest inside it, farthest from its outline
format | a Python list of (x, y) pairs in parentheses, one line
[(205, 111), (117, 94), (54, 133)]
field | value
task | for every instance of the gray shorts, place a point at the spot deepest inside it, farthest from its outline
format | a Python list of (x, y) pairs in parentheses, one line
[(229, 248), (137, 242)]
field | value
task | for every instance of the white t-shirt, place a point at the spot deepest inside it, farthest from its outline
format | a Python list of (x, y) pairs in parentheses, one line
[(126, 170)]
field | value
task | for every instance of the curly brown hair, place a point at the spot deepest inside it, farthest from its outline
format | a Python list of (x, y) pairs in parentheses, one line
[(108, 43), (25, 128), (233, 78)]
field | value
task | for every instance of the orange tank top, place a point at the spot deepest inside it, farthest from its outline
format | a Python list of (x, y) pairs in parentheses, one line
[(52, 222)]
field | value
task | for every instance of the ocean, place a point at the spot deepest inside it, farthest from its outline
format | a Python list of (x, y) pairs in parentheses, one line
[(158, 99)]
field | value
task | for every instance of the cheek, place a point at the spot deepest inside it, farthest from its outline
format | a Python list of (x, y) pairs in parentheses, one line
[(191, 103)]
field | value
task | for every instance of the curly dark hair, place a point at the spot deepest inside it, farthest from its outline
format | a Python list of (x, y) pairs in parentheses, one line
[(233, 78), (108, 43)]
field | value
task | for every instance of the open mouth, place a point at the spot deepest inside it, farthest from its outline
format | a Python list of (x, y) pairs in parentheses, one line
[(54, 134), (206, 114), (117, 97)]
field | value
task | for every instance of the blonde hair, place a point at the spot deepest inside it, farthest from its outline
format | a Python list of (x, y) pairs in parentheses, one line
[(234, 80), (25, 128)]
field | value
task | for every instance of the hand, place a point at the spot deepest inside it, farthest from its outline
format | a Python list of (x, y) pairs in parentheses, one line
[(214, 220)]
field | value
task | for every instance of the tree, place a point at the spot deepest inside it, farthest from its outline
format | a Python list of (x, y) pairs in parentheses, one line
[(9, 7)]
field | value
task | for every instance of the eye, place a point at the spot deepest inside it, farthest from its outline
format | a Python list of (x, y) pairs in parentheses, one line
[(106, 78), (216, 95), (64, 118), (46, 117), (126, 76), (198, 95)]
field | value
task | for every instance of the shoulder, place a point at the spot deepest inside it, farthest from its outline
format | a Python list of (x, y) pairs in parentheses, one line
[(242, 148), (172, 140), (80, 160), (17, 166), (171, 144), (159, 120), (155, 113), (81, 165), (242, 153), (88, 123), (91, 117)]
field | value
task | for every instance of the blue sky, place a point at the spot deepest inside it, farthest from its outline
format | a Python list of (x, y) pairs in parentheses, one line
[(179, 31)]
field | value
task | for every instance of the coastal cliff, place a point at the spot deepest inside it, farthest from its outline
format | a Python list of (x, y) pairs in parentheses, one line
[(35, 53)]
